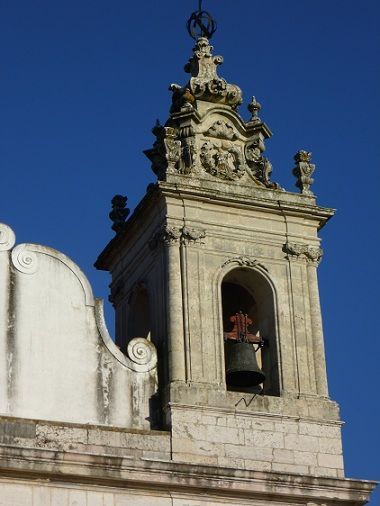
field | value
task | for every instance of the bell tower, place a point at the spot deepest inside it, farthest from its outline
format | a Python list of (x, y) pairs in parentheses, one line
[(218, 267)]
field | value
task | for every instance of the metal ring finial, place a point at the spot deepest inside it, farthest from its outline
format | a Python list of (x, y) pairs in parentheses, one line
[(201, 24)]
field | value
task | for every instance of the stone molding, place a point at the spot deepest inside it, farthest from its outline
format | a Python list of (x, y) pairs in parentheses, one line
[(229, 484)]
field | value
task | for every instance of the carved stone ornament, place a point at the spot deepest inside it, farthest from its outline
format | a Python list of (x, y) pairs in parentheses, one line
[(119, 213), (189, 235), (172, 235), (223, 161), (260, 166), (24, 260), (166, 151), (311, 253), (204, 83), (244, 262), (7, 237), (142, 352), (254, 108), (221, 130), (303, 171)]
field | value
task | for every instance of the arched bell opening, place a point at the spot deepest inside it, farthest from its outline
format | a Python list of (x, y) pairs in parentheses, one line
[(249, 331)]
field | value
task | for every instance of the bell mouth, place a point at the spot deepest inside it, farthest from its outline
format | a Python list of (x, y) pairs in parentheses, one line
[(244, 378)]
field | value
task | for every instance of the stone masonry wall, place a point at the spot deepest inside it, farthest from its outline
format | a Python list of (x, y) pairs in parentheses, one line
[(257, 442)]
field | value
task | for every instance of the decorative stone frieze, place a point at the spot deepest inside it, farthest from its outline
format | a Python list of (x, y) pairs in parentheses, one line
[(24, 260), (243, 261), (310, 253), (303, 171)]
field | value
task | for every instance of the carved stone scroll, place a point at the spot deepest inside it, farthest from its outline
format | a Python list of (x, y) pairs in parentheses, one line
[(24, 260), (7, 237)]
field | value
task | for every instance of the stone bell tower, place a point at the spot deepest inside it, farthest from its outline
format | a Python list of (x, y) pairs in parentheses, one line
[(215, 242)]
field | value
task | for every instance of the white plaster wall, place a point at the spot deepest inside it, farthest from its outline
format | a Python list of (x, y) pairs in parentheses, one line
[(58, 360)]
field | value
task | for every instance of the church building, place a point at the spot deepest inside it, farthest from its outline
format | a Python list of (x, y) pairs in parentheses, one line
[(215, 389)]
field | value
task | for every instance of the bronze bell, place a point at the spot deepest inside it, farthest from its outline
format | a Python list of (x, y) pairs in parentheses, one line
[(242, 369)]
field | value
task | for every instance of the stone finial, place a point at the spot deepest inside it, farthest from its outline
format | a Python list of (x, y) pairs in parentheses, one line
[(119, 213), (303, 171), (204, 84), (254, 108)]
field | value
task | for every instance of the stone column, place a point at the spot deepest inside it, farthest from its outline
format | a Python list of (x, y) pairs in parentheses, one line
[(316, 325), (177, 370)]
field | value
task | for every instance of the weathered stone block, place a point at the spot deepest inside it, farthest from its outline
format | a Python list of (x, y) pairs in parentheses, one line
[(298, 442), (264, 439), (332, 461)]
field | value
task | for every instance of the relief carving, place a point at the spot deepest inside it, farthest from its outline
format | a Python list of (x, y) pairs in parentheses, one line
[(243, 261), (192, 235), (311, 253), (173, 235), (221, 130), (224, 161)]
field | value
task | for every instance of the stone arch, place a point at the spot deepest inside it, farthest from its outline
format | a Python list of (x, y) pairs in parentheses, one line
[(245, 286)]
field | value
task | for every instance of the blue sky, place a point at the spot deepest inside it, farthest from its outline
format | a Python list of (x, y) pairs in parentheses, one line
[(82, 83)]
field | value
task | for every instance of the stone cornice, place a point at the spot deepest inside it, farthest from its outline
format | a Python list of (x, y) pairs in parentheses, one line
[(150, 474), (263, 199)]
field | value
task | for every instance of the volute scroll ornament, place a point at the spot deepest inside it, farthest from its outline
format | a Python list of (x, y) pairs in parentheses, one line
[(7, 237), (24, 260)]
